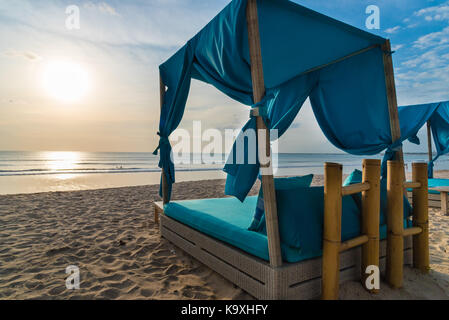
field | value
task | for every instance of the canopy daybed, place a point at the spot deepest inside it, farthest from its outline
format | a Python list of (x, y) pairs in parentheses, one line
[(436, 116), (272, 55)]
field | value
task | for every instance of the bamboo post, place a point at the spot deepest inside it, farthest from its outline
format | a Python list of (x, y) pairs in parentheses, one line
[(395, 223), (164, 178), (371, 216), (391, 98), (332, 231), (429, 141), (421, 218), (443, 203), (269, 195)]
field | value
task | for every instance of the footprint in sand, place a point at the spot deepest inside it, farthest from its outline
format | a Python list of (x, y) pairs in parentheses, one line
[(162, 253), (110, 293), (62, 250), (112, 251), (56, 291), (114, 277), (122, 285), (146, 292), (172, 269), (196, 292), (108, 259), (127, 266), (133, 290)]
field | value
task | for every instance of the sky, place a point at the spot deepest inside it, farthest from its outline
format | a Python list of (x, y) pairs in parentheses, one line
[(120, 45)]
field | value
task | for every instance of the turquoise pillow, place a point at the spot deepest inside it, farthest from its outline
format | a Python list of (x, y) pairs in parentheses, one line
[(301, 216), (279, 183), (356, 177)]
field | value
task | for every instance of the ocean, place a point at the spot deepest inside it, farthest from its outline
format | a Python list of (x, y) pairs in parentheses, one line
[(30, 172)]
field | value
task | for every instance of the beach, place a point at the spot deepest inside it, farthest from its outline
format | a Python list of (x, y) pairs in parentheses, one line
[(111, 236)]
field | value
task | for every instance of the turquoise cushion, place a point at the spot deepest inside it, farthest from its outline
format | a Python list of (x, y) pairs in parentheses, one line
[(433, 183), (356, 177), (226, 219), (300, 213), (279, 184)]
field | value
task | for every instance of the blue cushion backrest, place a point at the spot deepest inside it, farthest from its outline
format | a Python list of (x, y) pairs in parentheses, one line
[(356, 177), (301, 215), (279, 183)]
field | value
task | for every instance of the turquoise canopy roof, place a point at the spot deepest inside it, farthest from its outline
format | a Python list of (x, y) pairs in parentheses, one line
[(304, 54)]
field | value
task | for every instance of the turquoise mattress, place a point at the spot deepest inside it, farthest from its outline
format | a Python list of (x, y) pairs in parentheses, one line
[(433, 183), (227, 219)]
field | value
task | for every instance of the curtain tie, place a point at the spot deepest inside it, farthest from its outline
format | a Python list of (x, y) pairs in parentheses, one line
[(163, 141), (389, 155), (262, 106)]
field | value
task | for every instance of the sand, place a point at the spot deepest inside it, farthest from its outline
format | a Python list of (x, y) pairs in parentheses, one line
[(110, 235)]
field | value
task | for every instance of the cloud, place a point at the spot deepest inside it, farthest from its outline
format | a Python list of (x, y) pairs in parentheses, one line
[(102, 7), (437, 13), (397, 47), (393, 30), (159, 24), (425, 77), (29, 55), (429, 60), (433, 39)]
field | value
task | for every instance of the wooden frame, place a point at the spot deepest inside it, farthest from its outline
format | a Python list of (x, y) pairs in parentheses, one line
[(392, 99), (164, 178), (395, 224), (440, 200), (274, 242), (368, 239), (429, 141), (305, 279)]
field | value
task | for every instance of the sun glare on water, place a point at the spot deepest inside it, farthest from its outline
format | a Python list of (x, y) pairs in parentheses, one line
[(65, 81), (61, 160)]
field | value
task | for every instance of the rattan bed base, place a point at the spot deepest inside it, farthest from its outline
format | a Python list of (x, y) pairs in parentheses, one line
[(300, 280)]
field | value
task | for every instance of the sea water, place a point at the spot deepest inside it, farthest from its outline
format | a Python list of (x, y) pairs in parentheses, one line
[(30, 172)]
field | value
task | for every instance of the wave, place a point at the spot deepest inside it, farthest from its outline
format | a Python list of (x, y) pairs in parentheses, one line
[(34, 172)]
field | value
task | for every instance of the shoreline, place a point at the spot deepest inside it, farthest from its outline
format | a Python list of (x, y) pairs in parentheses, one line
[(111, 236)]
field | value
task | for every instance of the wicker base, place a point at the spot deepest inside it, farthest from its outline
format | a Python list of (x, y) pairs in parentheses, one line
[(300, 280), (434, 200)]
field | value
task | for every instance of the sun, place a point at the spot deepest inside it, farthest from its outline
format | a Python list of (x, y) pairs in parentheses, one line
[(65, 81)]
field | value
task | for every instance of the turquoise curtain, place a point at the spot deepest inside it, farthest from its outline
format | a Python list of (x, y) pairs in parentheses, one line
[(413, 118), (300, 49)]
